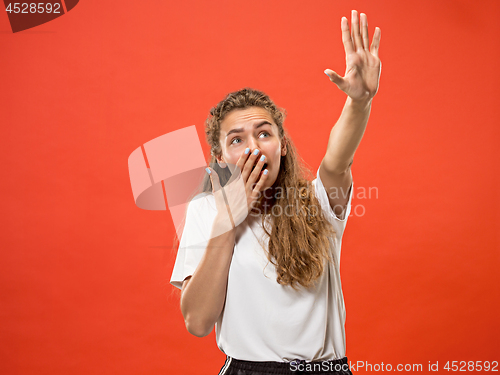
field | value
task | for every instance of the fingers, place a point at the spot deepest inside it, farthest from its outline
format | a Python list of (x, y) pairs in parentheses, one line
[(364, 31), (258, 187), (335, 78), (246, 163), (358, 43), (257, 174), (254, 176), (346, 36), (241, 200), (375, 41), (358, 38)]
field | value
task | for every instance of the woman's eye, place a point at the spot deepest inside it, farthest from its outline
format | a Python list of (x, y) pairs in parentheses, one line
[(236, 138)]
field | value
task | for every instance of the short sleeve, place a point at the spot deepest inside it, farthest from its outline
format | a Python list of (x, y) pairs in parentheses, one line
[(338, 223), (200, 215)]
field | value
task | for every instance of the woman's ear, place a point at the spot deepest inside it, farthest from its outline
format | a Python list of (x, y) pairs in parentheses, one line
[(283, 147), (221, 162)]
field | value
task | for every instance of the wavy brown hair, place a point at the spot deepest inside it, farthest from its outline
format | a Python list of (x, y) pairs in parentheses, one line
[(298, 243)]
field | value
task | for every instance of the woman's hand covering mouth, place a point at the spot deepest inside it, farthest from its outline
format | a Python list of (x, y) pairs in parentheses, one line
[(263, 167)]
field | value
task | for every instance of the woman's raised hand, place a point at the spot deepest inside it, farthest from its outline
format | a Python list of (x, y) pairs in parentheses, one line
[(237, 198), (363, 65)]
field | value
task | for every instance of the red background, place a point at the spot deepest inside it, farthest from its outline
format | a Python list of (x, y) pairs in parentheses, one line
[(84, 273)]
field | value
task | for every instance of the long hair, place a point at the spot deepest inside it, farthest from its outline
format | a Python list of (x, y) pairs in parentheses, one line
[(298, 243)]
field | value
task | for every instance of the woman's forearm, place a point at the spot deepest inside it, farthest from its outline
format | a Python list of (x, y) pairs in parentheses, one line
[(346, 135), (203, 297)]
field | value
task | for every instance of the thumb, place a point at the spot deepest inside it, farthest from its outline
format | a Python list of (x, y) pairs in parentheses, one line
[(335, 78), (220, 199)]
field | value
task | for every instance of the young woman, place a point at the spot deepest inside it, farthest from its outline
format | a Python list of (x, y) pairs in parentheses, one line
[(259, 256)]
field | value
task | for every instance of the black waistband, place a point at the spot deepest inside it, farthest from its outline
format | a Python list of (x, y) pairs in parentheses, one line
[(297, 366)]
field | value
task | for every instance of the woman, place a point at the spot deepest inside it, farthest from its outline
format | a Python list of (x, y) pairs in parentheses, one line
[(259, 255)]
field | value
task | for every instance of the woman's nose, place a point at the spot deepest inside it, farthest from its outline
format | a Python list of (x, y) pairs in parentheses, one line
[(253, 144)]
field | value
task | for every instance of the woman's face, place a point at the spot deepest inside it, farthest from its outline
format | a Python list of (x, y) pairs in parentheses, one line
[(254, 128)]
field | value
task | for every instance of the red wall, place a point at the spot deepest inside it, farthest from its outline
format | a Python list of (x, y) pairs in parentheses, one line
[(84, 273)]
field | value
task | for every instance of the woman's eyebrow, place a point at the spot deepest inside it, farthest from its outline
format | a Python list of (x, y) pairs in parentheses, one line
[(257, 125)]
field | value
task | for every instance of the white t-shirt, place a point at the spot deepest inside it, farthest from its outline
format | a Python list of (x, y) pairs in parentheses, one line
[(261, 319)]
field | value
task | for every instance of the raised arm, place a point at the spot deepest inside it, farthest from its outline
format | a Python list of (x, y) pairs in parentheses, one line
[(360, 83)]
